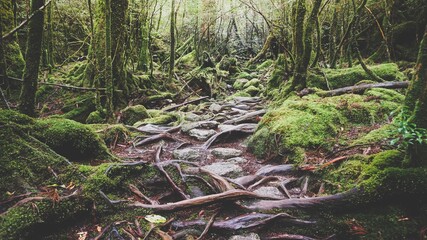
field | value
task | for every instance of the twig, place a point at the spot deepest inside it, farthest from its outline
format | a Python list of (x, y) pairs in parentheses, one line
[(208, 226), (138, 193)]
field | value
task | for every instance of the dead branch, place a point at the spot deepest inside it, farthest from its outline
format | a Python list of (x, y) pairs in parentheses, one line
[(262, 181), (208, 226), (204, 200), (155, 138), (221, 183)]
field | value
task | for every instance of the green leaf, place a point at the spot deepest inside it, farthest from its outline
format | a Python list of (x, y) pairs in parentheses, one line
[(157, 219)]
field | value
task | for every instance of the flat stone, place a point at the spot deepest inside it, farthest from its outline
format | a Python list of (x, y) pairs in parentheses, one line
[(201, 124), (224, 168), (237, 160), (189, 154), (269, 192), (250, 236), (226, 153), (215, 107), (201, 134)]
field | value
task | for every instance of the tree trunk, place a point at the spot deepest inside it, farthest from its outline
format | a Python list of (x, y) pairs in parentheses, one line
[(108, 63), (172, 45), (32, 61), (2, 57), (416, 104)]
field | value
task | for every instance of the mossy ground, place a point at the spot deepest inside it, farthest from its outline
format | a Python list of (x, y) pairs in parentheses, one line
[(312, 122)]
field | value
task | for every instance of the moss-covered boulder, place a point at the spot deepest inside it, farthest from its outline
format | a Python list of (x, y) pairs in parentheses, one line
[(312, 122), (71, 139), (158, 117), (338, 78), (133, 114)]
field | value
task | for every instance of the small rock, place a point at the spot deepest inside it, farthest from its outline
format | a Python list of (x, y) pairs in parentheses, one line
[(189, 154), (216, 108), (226, 153), (242, 107), (224, 168), (250, 236), (201, 124), (237, 160), (191, 117), (201, 134), (269, 192)]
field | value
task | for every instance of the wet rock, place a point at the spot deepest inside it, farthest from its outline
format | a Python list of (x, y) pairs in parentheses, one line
[(270, 170), (189, 154), (250, 236), (226, 153), (269, 192), (215, 108), (242, 107), (241, 100), (201, 134), (201, 124), (224, 168)]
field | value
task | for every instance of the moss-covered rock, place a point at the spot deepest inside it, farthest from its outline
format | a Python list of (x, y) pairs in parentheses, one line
[(159, 117), (71, 139), (95, 117), (228, 64), (254, 82), (78, 109), (312, 122), (133, 114), (252, 90), (266, 64), (338, 78), (240, 83)]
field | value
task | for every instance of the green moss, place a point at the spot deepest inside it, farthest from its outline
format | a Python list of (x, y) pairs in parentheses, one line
[(95, 117), (228, 64), (112, 134), (188, 60), (244, 75), (239, 83), (252, 90), (71, 139), (159, 117), (313, 122), (133, 114), (266, 64), (79, 108), (337, 78), (376, 136), (254, 82)]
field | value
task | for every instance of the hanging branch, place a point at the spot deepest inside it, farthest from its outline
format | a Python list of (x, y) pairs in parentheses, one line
[(24, 23)]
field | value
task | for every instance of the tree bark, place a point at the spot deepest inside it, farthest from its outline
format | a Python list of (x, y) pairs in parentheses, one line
[(32, 61), (173, 41), (108, 64), (416, 102)]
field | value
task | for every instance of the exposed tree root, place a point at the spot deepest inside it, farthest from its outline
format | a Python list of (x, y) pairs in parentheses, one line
[(155, 138), (250, 117), (204, 200), (243, 222), (286, 236), (245, 128)]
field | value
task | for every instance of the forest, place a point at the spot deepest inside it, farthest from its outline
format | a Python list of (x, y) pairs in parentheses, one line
[(213, 119)]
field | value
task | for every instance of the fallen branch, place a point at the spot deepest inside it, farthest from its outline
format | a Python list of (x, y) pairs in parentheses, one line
[(199, 201), (357, 89), (208, 226)]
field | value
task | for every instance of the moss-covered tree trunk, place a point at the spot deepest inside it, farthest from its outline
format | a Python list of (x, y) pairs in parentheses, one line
[(118, 50), (32, 60), (304, 44), (2, 58), (416, 103), (109, 82), (13, 56), (144, 56), (173, 41)]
